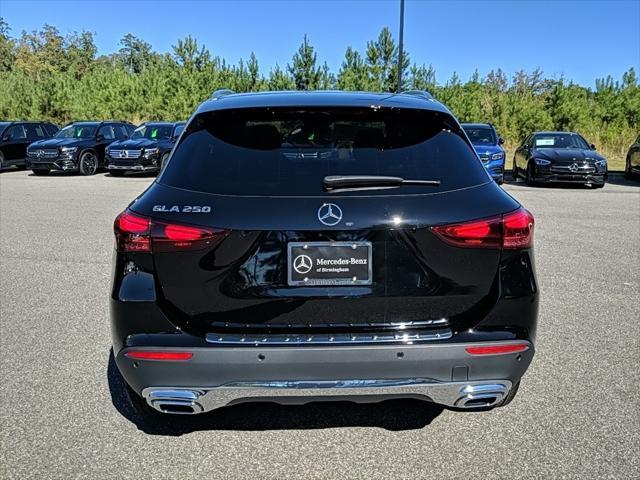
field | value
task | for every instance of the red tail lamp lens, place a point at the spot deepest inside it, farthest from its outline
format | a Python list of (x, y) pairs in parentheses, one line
[(475, 234), (513, 231), (132, 232), (135, 233), (518, 229), (163, 356), (498, 349)]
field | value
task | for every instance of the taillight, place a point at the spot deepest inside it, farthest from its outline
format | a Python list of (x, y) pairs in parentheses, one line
[(132, 232), (477, 234), (513, 230), (135, 233), (497, 349), (518, 229)]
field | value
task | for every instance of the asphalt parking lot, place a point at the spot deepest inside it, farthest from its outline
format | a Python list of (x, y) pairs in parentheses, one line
[(62, 413)]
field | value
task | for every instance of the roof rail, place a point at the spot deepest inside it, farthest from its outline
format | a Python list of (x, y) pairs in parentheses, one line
[(221, 93), (418, 93)]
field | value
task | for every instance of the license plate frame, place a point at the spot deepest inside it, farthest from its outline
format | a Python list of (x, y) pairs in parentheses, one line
[(360, 273)]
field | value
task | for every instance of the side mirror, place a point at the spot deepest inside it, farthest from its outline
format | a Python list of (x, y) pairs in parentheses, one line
[(6, 138), (100, 137), (500, 141), (593, 147)]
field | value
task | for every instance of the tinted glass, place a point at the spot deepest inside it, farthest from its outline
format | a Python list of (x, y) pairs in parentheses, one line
[(288, 151), (3, 125), (77, 131), (560, 140), (17, 132), (35, 131), (178, 130), (121, 132), (152, 132), (481, 135)]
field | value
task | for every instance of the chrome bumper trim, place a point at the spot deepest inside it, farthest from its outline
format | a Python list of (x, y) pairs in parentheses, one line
[(403, 338), (140, 168), (461, 394)]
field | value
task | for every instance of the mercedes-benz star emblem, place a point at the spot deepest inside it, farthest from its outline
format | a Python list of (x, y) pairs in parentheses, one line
[(302, 264), (573, 167), (329, 214), (123, 154)]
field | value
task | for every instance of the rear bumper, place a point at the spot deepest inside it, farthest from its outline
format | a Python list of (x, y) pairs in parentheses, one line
[(215, 376)]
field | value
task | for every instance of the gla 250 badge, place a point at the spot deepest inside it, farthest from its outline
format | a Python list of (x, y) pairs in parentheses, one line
[(183, 208)]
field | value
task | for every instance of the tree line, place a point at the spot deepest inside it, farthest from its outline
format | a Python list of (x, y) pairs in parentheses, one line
[(50, 76)]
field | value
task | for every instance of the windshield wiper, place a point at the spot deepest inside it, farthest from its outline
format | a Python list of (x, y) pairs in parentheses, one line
[(334, 183)]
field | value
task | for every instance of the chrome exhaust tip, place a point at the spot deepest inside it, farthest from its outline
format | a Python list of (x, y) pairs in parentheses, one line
[(177, 402), (481, 396)]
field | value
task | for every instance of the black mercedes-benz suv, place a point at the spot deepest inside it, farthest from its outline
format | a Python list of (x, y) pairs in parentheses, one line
[(78, 147), (16, 136), (559, 157), (322, 245), (147, 150)]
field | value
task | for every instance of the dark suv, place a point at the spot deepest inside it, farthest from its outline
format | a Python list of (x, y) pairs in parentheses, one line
[(322, 245), (78, 147), (147, 150), (16, 136)]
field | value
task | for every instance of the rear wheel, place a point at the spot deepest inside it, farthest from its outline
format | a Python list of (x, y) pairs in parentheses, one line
[(117, 173), (88, 163), (510, 396), (1, 160), (514, 171), (627, 168), (530, 177), (40, 172), (163, 161)]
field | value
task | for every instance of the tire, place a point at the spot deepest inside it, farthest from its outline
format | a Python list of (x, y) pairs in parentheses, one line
[(514, 171), (627, 169), (117, 173), (88, 163), (1, 161), (510, 396), (41, 172), (529, 179), (141, 407), (598, 185), (163, 161)]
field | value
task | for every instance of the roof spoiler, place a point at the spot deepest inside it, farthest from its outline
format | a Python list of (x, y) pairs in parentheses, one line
[(221, 93), (418, 93)]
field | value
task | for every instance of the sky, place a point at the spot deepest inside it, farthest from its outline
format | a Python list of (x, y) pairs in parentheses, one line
[(580, 40)]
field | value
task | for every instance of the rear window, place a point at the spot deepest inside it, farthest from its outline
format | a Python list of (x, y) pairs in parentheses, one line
[(289, 151)]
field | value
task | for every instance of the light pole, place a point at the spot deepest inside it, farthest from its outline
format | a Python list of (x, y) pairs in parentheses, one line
[(400, 46)]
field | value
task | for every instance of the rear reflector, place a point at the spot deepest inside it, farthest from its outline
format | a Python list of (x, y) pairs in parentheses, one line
[(511, 231), (135, 233), (497, 349), (166, 356)]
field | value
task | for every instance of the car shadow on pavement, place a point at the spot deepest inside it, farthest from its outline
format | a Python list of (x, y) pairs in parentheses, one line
[(565, 186), (394, 415), (621, 180)]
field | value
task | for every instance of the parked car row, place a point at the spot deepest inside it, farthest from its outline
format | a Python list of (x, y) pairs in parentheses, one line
[(86, 147), (119, 147), (547, 157)]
